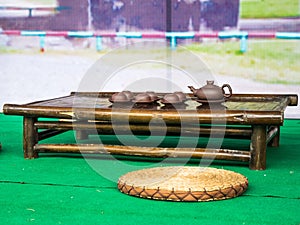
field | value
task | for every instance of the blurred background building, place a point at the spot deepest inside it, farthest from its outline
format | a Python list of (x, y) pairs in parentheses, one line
[(132, 15)]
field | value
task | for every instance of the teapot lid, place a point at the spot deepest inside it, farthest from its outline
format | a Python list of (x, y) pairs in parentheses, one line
[(210, 84)]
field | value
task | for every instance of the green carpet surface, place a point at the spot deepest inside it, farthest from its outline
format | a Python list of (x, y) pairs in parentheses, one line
[(70, 189)]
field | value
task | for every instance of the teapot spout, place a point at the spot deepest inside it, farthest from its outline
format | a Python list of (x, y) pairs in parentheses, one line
[(192, 89)]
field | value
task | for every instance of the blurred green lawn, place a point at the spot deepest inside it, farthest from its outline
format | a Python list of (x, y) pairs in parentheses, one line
[(269, 8), (270, 61)]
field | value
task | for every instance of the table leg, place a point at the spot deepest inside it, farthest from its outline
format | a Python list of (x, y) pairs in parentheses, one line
[(275, 140), (30, 137), (82, 134), (258, 147)]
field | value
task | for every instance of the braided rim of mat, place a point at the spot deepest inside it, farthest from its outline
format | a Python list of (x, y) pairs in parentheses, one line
[(183, 183)]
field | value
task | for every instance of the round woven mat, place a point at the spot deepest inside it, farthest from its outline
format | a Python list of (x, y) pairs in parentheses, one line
[(183, 183)]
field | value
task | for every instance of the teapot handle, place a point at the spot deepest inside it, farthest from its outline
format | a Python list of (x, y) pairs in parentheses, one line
[(229, 88)]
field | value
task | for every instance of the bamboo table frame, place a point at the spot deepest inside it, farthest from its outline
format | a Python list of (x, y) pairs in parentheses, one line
[(257, 117)]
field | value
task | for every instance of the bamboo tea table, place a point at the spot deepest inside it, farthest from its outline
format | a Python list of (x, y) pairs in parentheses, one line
[(256, 117)]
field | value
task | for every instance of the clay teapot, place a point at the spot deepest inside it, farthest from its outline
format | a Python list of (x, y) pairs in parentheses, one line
[(211, 92)]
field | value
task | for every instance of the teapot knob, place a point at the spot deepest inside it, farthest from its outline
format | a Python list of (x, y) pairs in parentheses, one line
[(229, 88)]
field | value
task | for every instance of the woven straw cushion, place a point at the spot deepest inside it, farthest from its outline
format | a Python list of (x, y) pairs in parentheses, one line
[(183, 183)]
